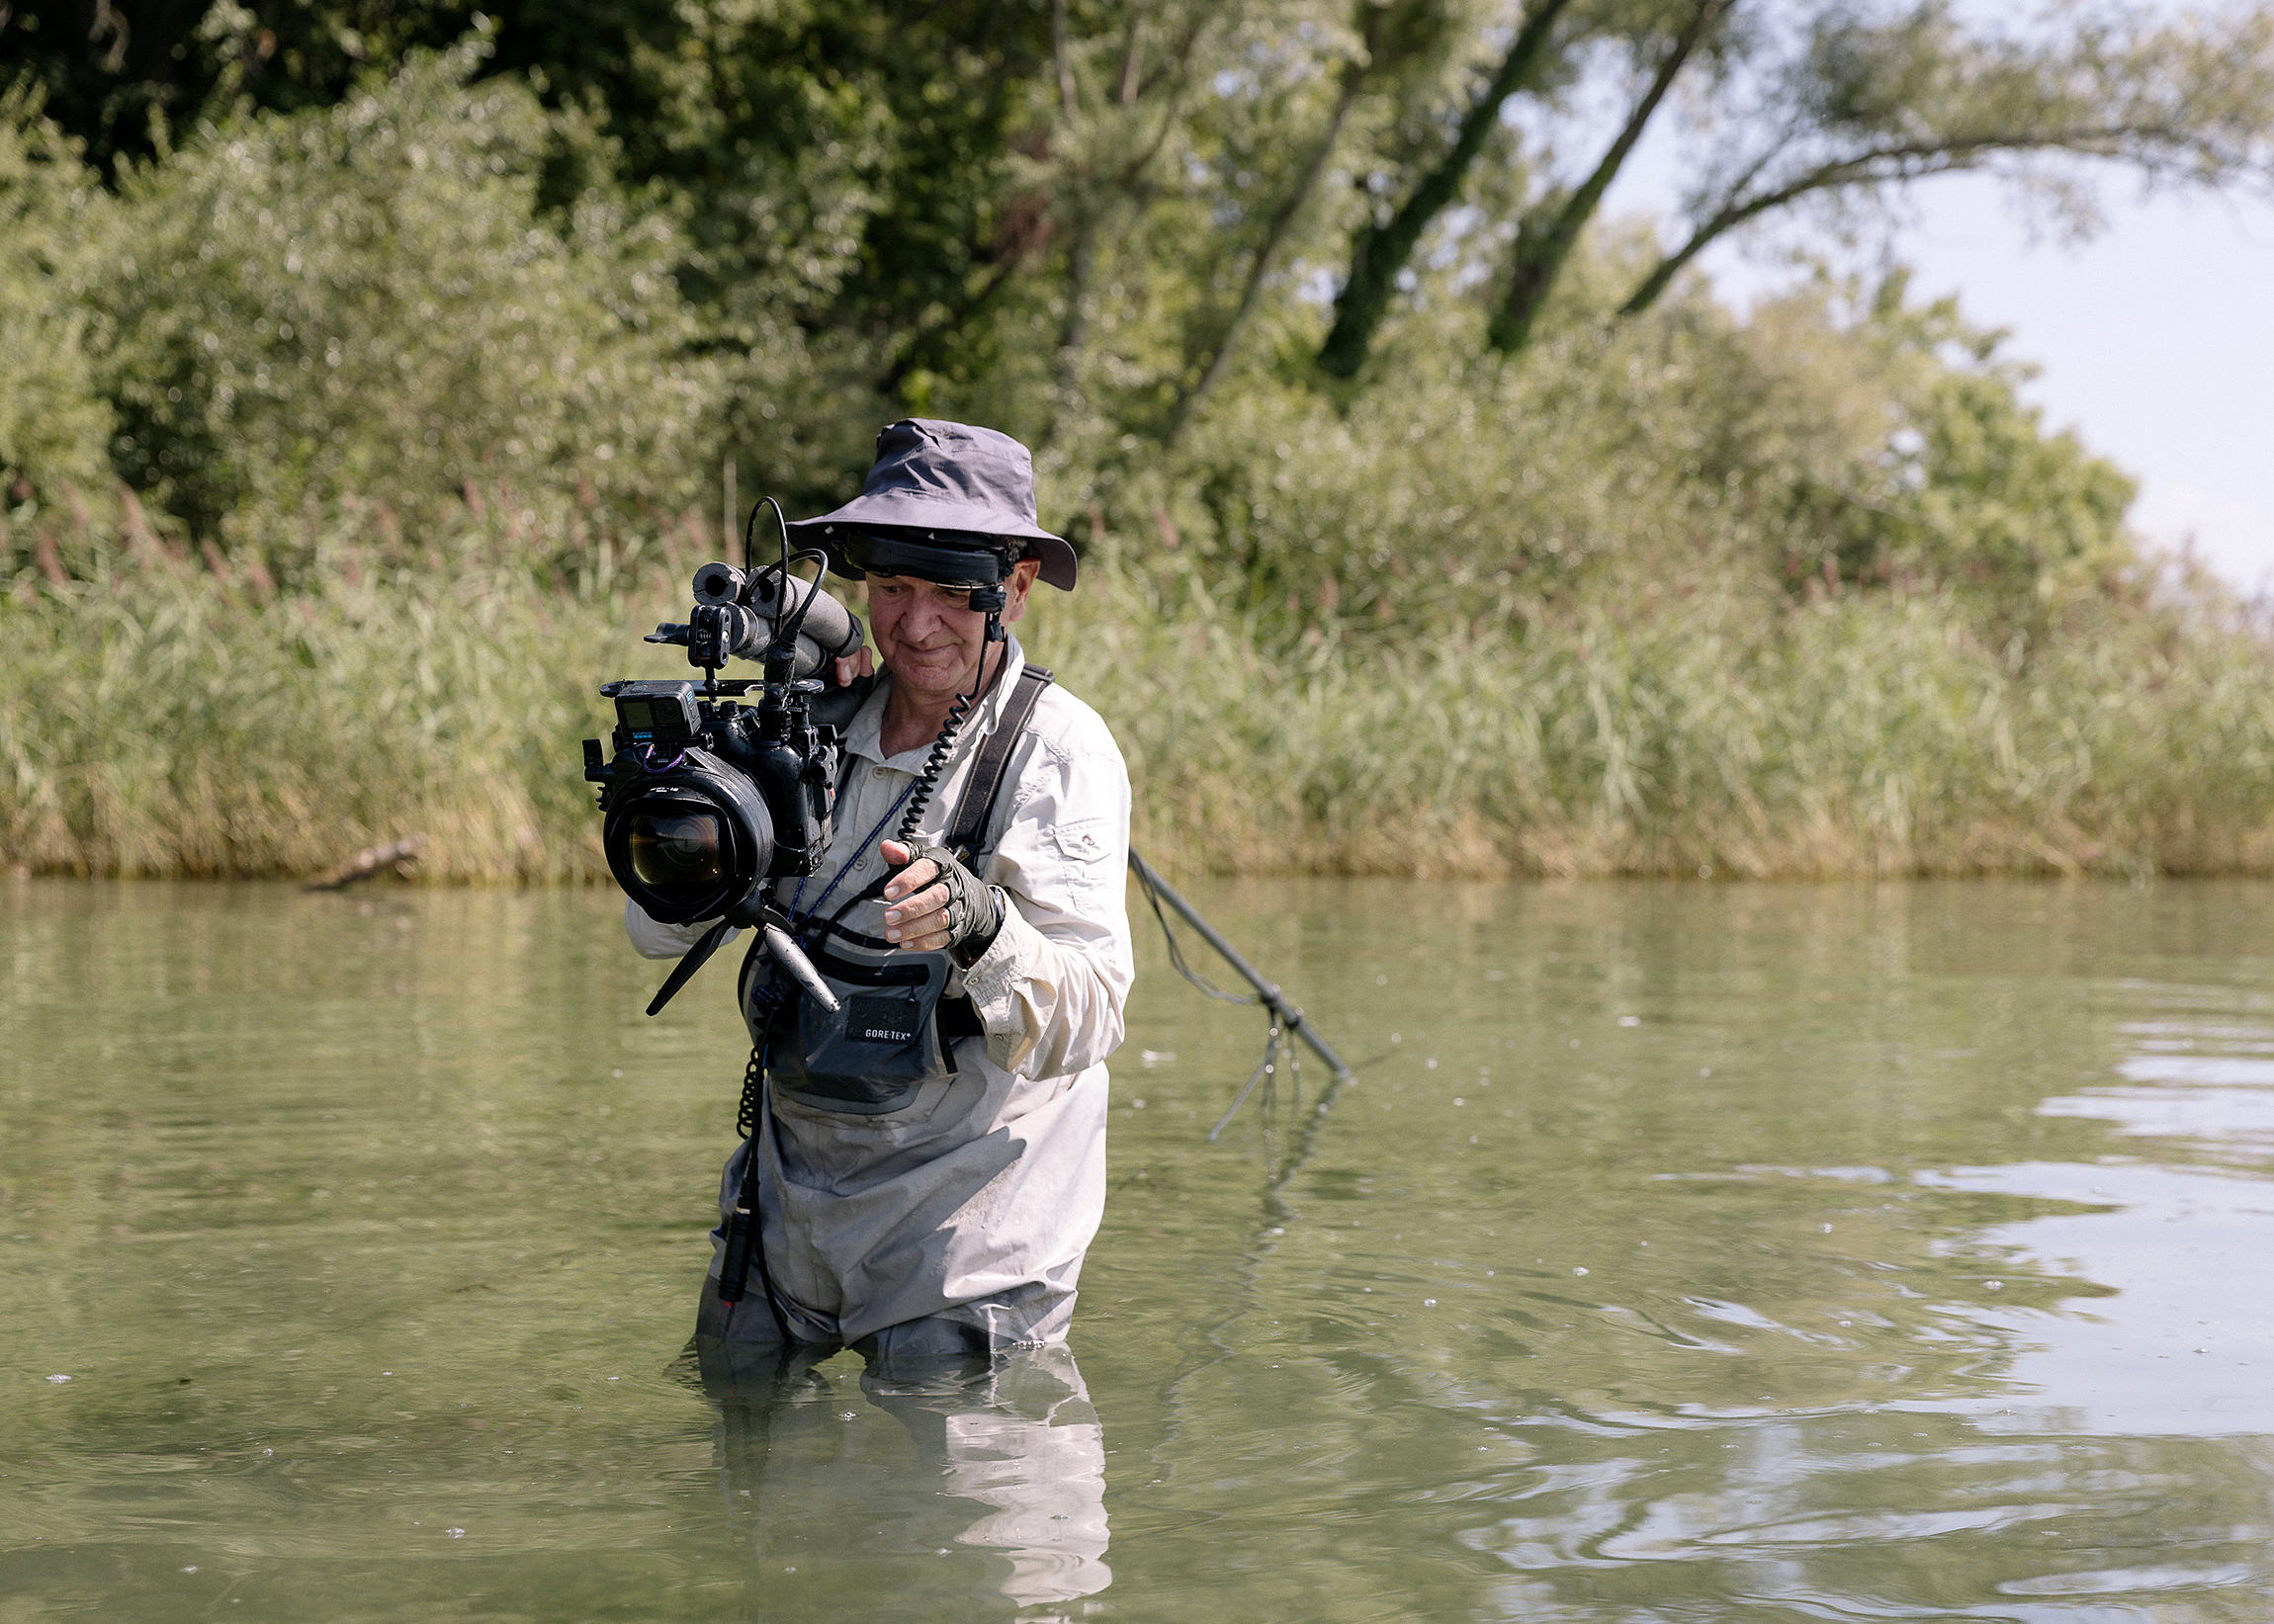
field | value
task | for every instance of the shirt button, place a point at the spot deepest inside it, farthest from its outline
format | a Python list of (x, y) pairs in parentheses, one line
[(879, 771)]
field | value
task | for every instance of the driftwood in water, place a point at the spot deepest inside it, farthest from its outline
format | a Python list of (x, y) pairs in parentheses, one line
[(397, 855)]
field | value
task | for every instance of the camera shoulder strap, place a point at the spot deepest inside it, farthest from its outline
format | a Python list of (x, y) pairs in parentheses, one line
[(974, 809)]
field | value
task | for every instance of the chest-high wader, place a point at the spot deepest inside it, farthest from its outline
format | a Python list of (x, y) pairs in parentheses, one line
[(894, 1030)]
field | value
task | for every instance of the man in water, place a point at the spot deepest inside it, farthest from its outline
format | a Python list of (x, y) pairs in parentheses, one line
[(940, 1208)]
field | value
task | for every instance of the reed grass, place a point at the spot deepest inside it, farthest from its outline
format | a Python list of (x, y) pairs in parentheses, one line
[(166, 714), (1853, 737)]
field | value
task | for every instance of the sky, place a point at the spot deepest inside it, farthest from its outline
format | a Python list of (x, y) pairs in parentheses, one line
[(2158, 347), (2156, 339)]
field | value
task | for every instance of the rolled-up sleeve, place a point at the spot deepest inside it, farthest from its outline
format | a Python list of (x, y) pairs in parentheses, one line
[(653, 939), (1051, 988)]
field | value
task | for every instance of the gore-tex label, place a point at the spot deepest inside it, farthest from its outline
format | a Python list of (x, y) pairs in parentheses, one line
[(881, 1019)]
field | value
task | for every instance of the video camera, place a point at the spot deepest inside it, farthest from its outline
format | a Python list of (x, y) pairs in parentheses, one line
[(703, 797)]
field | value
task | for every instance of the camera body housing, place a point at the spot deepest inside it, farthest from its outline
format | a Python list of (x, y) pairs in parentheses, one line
[(738, 794), (704, 797)]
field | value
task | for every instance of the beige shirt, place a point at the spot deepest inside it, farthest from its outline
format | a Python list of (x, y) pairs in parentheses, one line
[(992, 1180)]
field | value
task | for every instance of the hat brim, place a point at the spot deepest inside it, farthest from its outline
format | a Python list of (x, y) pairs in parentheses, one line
[(904, 510)]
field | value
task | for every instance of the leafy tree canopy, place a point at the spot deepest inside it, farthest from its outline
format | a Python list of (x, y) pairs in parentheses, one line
[(1314, 294)]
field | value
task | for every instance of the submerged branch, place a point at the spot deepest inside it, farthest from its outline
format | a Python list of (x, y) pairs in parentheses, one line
[(397, 855)]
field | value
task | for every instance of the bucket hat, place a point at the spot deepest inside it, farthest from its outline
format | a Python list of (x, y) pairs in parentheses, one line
[(955, 483)]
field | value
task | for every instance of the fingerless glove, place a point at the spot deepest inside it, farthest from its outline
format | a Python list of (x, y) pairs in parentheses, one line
[(974, 907)]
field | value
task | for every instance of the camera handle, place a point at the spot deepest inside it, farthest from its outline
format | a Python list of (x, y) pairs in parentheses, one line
[(690, 962), (773, 927), (792, 958)]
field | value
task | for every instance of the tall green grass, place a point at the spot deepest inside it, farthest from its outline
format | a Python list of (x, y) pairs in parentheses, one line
[(166, 713), (408, 408)]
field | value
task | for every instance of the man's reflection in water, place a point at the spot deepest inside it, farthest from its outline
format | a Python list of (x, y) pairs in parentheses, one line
[(1009, 1467)]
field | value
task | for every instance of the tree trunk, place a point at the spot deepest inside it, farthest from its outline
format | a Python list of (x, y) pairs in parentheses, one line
[(1073, 330), (1378, 252), (1541, 252), (1275, 233)]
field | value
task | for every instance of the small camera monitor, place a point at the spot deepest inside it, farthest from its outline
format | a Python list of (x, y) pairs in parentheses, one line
[(656, 712)]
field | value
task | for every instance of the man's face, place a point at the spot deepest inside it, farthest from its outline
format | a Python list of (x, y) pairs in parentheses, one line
[(929, 636)]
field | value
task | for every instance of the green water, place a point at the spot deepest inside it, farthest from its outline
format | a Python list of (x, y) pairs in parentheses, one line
[(1691, 1253)]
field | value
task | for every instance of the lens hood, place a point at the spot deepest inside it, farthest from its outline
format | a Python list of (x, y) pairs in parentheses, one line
[(689, 843)]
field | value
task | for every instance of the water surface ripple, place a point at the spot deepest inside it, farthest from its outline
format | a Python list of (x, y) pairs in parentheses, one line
[(1684, 1254)]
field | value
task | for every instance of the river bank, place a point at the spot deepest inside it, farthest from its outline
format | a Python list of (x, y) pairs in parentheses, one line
[(162, 715), (326, 515)]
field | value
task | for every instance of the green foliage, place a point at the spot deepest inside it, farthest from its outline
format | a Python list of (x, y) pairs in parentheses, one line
[(361, 439), (1883, 447), (54, 424), (123, 73), (1999, 504), (367, 299), (1945, 474)]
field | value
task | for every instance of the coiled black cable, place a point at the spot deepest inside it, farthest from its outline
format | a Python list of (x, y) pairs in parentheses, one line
[(754, 1080), (927, 780)]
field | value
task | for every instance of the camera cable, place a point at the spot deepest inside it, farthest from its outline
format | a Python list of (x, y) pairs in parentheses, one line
[(944, 746), (745, 1234)]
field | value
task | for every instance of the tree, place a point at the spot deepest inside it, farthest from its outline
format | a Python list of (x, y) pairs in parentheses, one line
[(1863, 110), (1546, 235), (117, 72), (54, 426), (1840, 105), (717, 229), (1380, 249), (919, 201)]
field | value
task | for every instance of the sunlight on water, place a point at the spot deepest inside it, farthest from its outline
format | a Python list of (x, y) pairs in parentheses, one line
[(1680, 1253)]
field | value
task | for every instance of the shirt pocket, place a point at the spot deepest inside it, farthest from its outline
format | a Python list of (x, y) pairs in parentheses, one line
[(1081, 844)]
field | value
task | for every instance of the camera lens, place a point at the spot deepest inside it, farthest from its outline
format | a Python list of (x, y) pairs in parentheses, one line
[(689, 843), (679, 851)]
